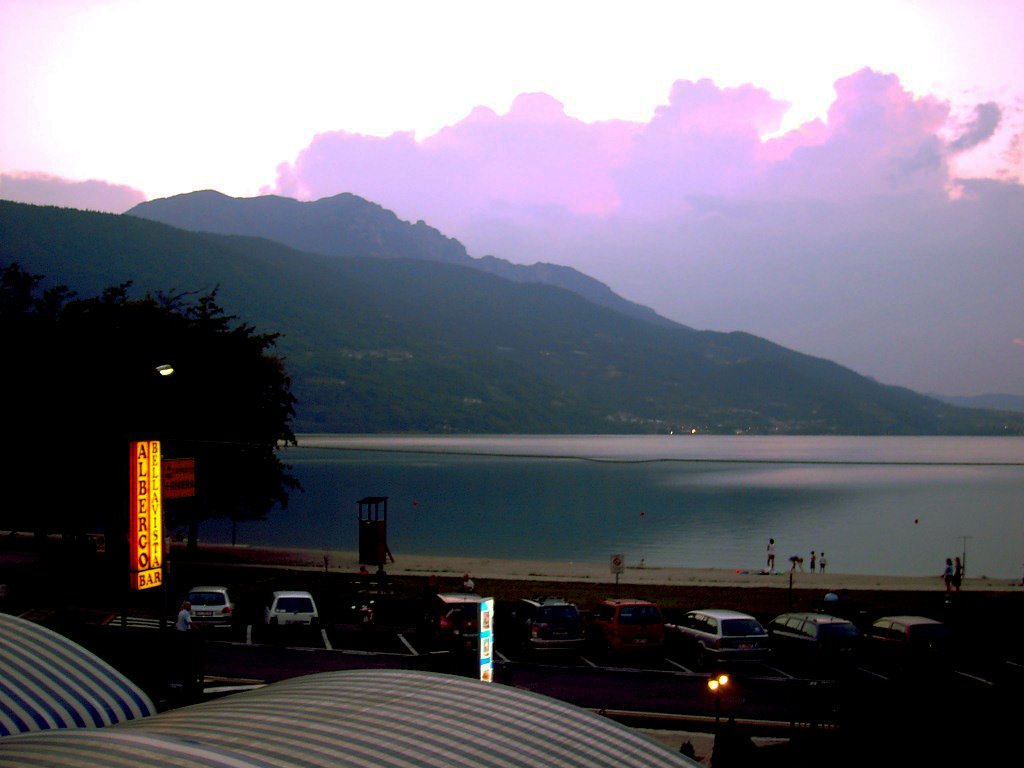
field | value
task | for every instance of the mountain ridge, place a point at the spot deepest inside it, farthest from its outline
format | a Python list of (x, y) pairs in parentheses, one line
[(349, 225), (405, 346)]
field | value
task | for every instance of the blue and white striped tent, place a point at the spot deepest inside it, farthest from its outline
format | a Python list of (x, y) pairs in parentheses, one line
[(357, 718), (49, 682)]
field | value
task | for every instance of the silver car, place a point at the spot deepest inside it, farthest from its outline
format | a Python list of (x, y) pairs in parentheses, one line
[(211, 606), (719, 636)]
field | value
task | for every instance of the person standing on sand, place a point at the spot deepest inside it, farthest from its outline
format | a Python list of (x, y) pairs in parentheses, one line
[(947, 575), (814, 561), (821, 561), (958, 574), (771, 554)]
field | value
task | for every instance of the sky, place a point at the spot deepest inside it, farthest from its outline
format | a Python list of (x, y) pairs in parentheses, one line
[(842, 178)]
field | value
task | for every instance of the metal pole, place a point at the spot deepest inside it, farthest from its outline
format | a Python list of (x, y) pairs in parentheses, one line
[(963, 560)]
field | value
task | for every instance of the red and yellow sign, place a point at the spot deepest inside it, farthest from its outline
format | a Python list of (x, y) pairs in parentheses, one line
[(146, 523)]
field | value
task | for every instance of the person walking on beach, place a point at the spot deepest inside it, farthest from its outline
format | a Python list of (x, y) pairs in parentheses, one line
[(947, 575), (821, 563), (771, 554), (814, 561)]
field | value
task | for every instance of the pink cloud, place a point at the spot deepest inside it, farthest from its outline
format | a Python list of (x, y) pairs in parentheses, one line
[(93, 195), (878, 139), (1019, 342), (705, 142), (534, 156)]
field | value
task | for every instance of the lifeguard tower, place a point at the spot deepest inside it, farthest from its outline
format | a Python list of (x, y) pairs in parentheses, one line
[(373, 532)]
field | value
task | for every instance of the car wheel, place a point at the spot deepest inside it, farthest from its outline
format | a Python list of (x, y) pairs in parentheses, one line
[(700, 657)]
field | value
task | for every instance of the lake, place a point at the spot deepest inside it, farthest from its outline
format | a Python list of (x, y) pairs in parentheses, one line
[(884, 505)]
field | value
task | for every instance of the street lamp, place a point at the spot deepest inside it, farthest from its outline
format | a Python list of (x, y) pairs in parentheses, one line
[(715, 685)]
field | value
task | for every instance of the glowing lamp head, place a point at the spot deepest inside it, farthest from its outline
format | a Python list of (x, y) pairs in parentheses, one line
[(715, 683)]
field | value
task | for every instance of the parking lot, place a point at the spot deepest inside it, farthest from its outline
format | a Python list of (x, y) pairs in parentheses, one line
[(663, 688)]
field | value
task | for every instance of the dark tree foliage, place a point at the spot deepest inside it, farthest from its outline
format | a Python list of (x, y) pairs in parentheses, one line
[(80, 383)]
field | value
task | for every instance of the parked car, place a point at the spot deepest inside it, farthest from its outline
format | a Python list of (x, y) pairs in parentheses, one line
[(818, 642), (627, 625), (211, 606), (547, 623), (291, 608), (453, 621), (720, 636), (909, 643)]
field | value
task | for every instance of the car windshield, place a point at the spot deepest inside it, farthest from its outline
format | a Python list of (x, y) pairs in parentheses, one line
[(207, 598), (558, 613), (639, 614), (295, 604), (739, 627)]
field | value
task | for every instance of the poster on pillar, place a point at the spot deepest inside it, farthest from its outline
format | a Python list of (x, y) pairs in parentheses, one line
[(145, 523)]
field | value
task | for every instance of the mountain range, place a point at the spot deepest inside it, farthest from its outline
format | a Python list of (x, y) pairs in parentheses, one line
[(389, 326)]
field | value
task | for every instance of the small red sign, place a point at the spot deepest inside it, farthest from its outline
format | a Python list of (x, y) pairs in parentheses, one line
[(179, 478)]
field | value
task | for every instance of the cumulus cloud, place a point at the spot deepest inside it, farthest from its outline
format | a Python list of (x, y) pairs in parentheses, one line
[(878, 140), (92, 195), (839, 238), (706, 141)]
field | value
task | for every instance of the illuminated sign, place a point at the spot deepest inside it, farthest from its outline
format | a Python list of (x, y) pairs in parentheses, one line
[(486, 639), (179, 478), (146, 523)]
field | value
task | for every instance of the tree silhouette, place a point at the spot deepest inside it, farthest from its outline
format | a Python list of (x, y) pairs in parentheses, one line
[(81, 383)]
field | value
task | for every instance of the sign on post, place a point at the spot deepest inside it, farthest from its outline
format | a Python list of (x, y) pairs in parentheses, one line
[(487, 639), (145, 510), (618, 564), (179, 478)]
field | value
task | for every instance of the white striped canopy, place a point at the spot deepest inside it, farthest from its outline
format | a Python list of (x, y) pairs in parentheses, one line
[(357, 718), (49, 682)]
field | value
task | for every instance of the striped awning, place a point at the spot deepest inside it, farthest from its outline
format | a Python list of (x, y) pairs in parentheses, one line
[(365, 718), (49, 682)]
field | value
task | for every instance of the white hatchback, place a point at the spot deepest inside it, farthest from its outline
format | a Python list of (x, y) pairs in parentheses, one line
[(291, 608)]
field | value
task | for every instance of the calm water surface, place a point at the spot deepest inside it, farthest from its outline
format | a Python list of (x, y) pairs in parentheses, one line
[(895, 506)]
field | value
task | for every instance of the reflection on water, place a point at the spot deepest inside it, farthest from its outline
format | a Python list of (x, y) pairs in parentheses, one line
[(874, 505)]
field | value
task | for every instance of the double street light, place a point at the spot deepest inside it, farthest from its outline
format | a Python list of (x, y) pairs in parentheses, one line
[(716, 685)]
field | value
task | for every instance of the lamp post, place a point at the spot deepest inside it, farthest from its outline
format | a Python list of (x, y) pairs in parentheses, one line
[(715, 685)]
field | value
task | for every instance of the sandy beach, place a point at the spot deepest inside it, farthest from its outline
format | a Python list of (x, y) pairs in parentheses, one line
[(593, 573)]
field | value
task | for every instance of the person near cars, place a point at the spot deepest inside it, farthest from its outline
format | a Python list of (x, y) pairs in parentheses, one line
[(184, 620), (189, 650), (467, 583)]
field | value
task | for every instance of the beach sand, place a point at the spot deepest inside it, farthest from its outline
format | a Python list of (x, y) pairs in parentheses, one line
[(446, 567)]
